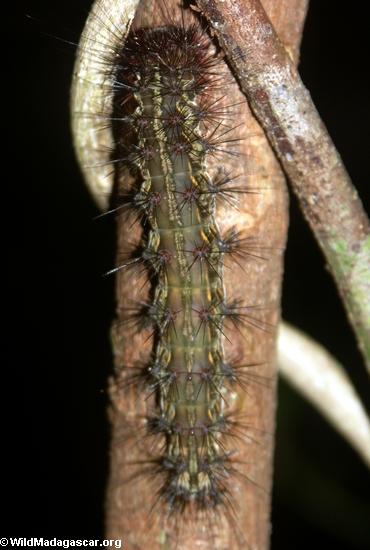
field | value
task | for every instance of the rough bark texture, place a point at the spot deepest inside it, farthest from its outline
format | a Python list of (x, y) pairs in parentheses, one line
[(131, 492), (284, 108)]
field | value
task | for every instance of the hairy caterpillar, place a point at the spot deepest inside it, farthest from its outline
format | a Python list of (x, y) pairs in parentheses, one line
[(167, 72), (194, 339)]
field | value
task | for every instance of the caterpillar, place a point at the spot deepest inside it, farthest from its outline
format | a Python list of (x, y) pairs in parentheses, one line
[(168, 72), (188, 350)]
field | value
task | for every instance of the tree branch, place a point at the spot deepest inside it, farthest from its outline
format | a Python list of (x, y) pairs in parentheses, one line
[(323, 381), (285, 110)]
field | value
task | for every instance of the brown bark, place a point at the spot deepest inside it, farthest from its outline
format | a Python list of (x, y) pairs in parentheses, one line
[(263, 216)]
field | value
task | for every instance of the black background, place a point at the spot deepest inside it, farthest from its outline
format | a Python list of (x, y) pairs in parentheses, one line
[(57, 353)]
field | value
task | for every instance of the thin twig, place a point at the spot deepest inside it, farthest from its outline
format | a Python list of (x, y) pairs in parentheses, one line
[(284, 108), (323, 381)]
